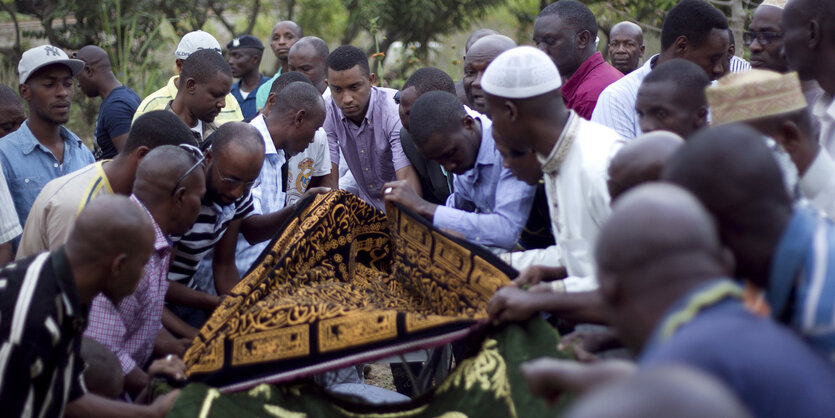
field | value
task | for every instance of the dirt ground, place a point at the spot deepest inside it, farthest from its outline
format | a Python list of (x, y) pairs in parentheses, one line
[(380, 375)]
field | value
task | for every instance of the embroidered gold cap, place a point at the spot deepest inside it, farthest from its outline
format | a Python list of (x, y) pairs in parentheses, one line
[(754, 94), (776, 3)]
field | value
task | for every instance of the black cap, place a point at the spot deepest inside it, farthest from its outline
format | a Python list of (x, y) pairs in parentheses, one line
[(245, 41)]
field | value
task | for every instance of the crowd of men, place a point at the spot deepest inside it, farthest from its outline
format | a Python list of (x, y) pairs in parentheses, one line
[(684, 202)]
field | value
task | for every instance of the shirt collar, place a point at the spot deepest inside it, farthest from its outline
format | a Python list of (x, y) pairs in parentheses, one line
[(788, 258), (576, 79), (261, 125), (818, 175), (486, 149), (687, 308), (171, 87), (161, 241), (825, 107), (29, 142), (552, 162)]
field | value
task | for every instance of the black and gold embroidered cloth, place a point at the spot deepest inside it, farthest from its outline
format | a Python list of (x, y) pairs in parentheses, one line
[(342, 284)]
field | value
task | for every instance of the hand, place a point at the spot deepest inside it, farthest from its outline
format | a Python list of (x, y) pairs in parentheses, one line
[(171, 366), (585, 345), (548, 378), (400, 192), (175, 346), (511, 304), (315, 191), (163, 404), (535, 274)]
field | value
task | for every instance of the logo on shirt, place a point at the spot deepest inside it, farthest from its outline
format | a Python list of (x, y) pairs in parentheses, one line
[(305, 173)]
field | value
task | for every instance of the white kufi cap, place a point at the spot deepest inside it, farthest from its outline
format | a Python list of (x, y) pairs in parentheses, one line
[(520, 73)]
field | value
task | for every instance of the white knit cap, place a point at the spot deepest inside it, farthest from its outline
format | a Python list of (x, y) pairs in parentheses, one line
[(520, 73), (195, 41)]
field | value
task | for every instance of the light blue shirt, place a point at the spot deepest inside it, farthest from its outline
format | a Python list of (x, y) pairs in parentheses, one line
[(801, 286), (268, 197), (28, 165), (616, 104), (489, 205)]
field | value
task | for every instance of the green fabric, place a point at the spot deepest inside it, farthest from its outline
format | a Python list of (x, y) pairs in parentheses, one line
[(486, 384)]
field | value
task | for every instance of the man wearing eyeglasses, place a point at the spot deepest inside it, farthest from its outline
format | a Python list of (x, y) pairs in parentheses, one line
[(204, 262), (566, 30)]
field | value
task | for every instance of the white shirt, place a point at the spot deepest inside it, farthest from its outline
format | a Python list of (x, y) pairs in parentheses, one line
[(824, 111), (578, 200), (268, 197), (9, 223), (616, 105), (818, 183)]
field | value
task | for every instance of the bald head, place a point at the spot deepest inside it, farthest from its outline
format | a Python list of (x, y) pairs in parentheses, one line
[(94, 56), (240, 135), (671, 391), (726, 167), (109, 244), (732, 171), (626, 46), (476, 35), (641, 160), (480, 55), (159, 171), (651, 222), (98, 233), (293, 26), (489, 47)]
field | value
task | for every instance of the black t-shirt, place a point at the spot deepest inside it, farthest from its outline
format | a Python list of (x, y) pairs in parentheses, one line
[(115, 117)]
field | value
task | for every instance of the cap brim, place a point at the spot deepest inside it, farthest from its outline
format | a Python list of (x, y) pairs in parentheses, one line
[(75, 67)]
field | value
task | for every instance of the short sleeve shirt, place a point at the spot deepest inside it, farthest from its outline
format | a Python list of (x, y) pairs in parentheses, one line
[(28, 165), (115, 116), (40, 336)]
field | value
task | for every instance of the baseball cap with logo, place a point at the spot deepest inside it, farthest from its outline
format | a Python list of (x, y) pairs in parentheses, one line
[(40, 56), (195, 41)]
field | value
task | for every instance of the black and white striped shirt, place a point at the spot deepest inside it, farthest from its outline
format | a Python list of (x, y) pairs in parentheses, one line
[(41, 322), (199, 241)]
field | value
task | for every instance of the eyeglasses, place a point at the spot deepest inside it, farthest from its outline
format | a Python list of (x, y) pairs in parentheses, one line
[(200, 161), (397, 97), (764, 38), (229, 182)]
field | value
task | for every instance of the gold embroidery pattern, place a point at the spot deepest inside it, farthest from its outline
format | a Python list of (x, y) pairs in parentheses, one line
[(342, 276), (487, 370)]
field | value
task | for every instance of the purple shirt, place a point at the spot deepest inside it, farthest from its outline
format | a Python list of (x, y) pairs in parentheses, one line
[(372, 149), (585, 85)]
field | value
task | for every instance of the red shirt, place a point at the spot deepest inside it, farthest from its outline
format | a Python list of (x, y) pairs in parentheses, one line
[(585, 85)]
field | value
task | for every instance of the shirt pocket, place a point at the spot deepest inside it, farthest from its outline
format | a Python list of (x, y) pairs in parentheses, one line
[(27, 183)]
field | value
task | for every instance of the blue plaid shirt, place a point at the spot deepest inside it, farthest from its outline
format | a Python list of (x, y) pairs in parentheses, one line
[(801, 289), (28, 165), (268, 197)]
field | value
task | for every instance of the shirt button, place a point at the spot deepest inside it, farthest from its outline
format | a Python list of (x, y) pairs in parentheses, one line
[(55, 165), (26, 181), (366, 168), (362, 151)]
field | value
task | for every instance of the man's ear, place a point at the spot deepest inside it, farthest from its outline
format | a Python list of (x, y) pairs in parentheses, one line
[(512, 110), (117, 265), (681, 46), (268, 107), (815, 34), (190, 85), (583, 39), (298, 120), (208, 154), (700, 117), (793, 139), (179, 64), (372, 78), (24, 91), (643, 49), (141, 152)]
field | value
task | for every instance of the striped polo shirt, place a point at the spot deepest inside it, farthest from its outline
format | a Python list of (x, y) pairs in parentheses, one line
[(199, 241)]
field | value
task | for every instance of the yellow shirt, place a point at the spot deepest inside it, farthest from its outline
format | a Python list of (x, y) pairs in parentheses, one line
[(56, 207), (160, 98)]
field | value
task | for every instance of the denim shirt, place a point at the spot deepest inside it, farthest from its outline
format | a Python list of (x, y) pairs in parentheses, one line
[(28, 165)]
